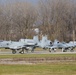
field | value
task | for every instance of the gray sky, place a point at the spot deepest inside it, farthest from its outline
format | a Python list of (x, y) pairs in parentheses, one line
[(33, 1), (4, 1)]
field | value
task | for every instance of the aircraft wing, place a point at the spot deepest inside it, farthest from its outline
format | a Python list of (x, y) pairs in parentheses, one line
[(16, 45)]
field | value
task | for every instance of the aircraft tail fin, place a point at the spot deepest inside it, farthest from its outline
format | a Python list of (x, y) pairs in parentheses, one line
[(44, 41), (44, 38), (36, 39)]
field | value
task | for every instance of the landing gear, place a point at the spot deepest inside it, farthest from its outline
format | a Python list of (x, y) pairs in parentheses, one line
[(54, 50), (27, 50), (32, 49), (14, 51), (22, 51), (71, 49), (49, 50), (44, 48), (64, 50)]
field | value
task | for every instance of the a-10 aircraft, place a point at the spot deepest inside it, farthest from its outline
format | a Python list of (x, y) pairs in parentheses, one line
[(24, 44), (63, 45), (21, 44), (31, 44)]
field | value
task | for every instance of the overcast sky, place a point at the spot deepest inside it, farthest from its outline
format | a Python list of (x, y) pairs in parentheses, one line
[(33, 1), (4, 1)]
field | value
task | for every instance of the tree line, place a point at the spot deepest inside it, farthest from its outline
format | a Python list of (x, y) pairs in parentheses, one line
[(55, 18)]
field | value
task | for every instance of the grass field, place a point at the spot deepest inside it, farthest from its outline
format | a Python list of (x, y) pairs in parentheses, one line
[(39, 69), (36, 55), (54, 68)]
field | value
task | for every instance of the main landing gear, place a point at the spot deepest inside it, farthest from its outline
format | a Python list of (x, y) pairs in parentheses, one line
[(13, 51)]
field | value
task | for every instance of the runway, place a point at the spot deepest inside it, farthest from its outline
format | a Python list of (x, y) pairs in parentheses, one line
[(36, 52)]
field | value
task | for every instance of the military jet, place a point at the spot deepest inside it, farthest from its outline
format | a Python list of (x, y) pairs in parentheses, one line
[(44, 43), (24, 44), (30, 44), (5, 44), (62, 45), (15, 46)]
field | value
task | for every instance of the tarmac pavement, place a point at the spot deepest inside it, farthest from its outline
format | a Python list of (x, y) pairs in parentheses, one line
[(37, 52)]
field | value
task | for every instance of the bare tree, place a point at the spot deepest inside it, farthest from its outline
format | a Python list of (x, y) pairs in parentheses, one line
[(18, 20), (56, 18)]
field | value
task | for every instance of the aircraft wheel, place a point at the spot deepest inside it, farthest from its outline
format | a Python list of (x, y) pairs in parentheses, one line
[(71, 50), (27, 51), (54, 50), (14, 51), (63, 50), (22, 52), (32, 51), (49, 50)]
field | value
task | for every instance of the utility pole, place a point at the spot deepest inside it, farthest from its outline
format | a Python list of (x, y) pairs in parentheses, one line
[(73, 35)]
